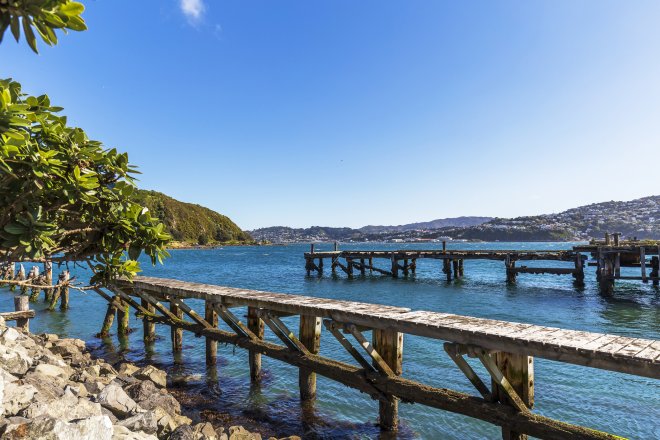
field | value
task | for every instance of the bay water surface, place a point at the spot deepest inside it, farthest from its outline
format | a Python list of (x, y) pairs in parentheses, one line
[(621, 404)]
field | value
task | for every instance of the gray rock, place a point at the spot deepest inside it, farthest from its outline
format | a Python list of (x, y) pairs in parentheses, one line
[(149, 397), (146, 422), (15, 360), (67, 408), (2, 395), (53, 371), (183, 432), (9, 335), (240, 433), (123, 433), (205, 431), (116, 400), (128, 369), (48, 388), (48, 428), (158, 377), (17, 396)]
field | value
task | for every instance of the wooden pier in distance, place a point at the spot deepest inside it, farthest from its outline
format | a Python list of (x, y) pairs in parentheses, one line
[(405, 261), (608, 256), (504, 397)]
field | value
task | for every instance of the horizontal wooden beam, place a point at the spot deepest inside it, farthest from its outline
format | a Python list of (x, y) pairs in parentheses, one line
[(13, 316)]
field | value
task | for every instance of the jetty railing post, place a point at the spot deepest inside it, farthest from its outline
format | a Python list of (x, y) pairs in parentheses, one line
[(176, 333), (148, 327), (389, 345), (211, 317), (256, 326), (519, 371), (310, 337), (22, 304)]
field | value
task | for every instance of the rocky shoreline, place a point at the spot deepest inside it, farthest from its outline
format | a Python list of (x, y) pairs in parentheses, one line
[(51, 388)]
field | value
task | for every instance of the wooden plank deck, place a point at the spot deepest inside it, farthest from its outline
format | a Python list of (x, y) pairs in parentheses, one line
[(485, 254), (610, 352)]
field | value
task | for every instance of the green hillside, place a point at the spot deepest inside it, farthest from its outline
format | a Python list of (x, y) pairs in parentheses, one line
[(191, 224)]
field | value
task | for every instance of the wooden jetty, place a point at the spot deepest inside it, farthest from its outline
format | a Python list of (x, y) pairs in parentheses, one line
[(505, 397), (405, 261), (609, 256)]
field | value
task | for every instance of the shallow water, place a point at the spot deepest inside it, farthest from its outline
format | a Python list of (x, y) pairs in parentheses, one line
[(617, 403)]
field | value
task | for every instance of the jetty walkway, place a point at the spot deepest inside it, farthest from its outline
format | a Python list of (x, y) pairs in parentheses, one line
[(505, 397)]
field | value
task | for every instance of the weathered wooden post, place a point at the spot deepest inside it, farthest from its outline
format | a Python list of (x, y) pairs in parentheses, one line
[(389, 344), (655, 270), (642, 262), (362, 269), (64, 290), (311, 248), (460, 268), (446, 268), (256, 326), (406, 268), (211, 345), (48, 276), (608, 241), (308, 266), (310, 337), (413, 266), (109, 317), (395, 267), (617, 236), (454, 264), (176, 332), (33, 278), (371, 265), (123, 316), (320, 266), (148, 326), (606, 278), (349, 267), (510, 264), (336, 246), (22, 304), (579, 269), (519, 372)]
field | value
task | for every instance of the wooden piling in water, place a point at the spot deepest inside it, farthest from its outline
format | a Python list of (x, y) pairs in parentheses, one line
[(389, 345), (310, 337), (109, 318), (123, 317), (177, 333), (395, 267), (64, 290), (655, 269), (519, 372), (255, 325), (148, 326), (48, 279), (211, 317)]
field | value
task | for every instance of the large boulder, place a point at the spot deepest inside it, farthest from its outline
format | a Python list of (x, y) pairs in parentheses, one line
[(49, 387), (123, 433), (68, 408), (205, 431), (240, 433), (146, 422), (48, 428), (183, 432), (53, 371), (17, 396), (148, 396), (116, 400), (15, 360), (158, 377)]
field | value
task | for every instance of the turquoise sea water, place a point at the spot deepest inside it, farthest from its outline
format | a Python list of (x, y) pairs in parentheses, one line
[(617, 403)]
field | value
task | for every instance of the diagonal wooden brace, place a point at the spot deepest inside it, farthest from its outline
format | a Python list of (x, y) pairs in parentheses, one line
[(456, 355), (494, 371), (282, 331), (157, 305), (126, 297), (334, 328), (188, 311), (380, 364), (233, 322)]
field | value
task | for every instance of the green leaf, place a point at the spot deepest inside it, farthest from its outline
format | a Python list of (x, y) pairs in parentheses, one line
[(72, 9), (29, 34), (15, 228), (15, 27)]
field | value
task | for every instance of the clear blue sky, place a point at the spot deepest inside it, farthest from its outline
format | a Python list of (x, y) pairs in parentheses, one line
[(346, 113)]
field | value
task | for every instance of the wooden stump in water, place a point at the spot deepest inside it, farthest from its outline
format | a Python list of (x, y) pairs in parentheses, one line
[(108, 320), (148, 327), (176, 333), (64, 279), (123, 316)]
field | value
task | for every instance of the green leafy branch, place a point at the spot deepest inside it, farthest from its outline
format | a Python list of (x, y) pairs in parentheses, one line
[(42, 17)]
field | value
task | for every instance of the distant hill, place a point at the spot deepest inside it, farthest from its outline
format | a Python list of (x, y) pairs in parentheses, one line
[(461, 222), (635, 218), (191, 224)]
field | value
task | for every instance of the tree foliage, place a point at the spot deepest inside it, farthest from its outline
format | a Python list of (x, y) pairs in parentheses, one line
[(64, 197), (41, 16)]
